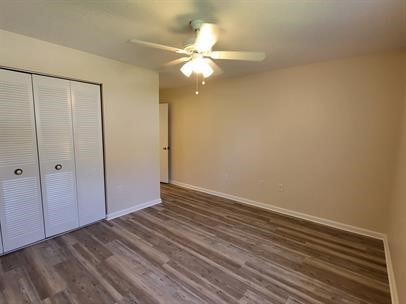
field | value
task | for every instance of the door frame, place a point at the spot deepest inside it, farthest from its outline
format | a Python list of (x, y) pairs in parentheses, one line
[(100, 84), (167, 147)]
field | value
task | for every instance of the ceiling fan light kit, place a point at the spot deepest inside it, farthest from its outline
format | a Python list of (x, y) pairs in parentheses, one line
[(197, 65), (199, 52), (187, 69)]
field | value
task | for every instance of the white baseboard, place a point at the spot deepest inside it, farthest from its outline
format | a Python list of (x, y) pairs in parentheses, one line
[(137, 207), (334, 224), (391, 273), (315, 219)]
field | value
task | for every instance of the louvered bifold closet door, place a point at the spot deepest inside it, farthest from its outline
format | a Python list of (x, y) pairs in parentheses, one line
[(52, 101), (20, 195), (87, 123)]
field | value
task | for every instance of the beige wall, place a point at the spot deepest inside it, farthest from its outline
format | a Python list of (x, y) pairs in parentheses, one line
[(397, 217), (327, 132), (130, 105)]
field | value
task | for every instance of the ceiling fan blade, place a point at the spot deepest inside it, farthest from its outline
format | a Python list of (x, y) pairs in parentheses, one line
[(216, 69), (206, 37), (248, 56), (158, 46), (175, 62)]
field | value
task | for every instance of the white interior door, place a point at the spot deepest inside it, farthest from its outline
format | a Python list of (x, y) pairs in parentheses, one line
[(88, 140), (20, 197), (52, 99), (164, 147)]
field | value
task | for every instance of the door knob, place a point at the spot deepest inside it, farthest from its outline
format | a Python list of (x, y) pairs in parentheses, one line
[(166, 148), (18, 171), (58, 167)]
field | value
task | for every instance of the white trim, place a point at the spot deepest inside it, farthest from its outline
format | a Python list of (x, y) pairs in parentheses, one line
[(137, 207), (391, 273), (315, 219)]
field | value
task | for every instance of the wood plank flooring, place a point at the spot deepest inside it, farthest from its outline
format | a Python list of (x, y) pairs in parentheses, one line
[(198, 248)]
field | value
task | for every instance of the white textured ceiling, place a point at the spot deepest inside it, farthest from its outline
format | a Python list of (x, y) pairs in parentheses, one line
[(291, 32)]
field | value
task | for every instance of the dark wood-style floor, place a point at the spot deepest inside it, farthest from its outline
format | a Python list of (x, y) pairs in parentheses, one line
[(197, 248)]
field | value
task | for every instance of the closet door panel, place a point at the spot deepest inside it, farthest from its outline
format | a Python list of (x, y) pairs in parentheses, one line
[(88, 151), (52, 101), (21, 215)]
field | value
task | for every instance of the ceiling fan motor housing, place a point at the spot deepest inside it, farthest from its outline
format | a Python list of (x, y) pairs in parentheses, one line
[(196, 24)]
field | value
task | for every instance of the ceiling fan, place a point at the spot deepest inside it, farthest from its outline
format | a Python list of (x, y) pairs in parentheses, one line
[(198, 54)]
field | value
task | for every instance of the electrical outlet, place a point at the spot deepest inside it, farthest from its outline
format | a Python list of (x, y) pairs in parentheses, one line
[(281, 187)]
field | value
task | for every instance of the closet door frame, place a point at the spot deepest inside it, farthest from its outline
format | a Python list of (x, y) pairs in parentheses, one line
[(39, 73), (100, 84)]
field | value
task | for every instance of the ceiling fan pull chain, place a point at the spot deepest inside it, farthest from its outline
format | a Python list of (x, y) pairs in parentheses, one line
[(197, 84)]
